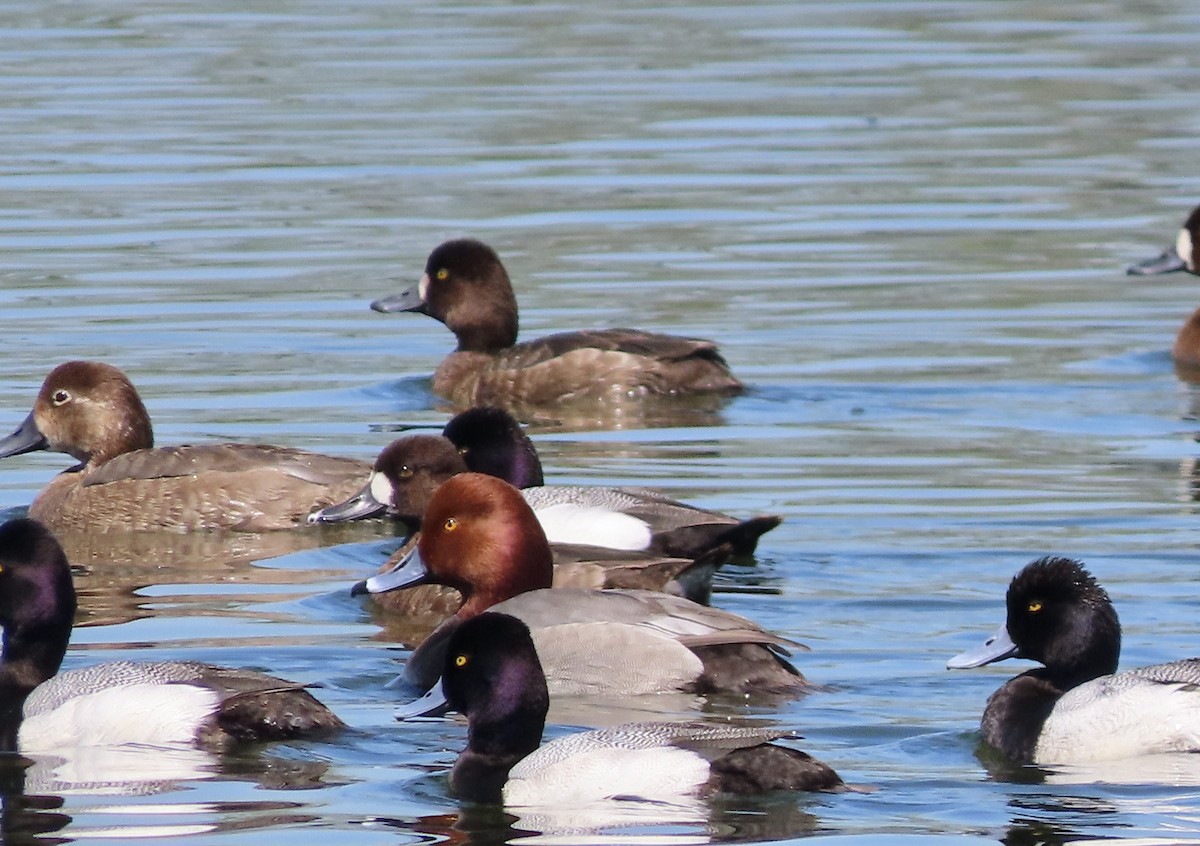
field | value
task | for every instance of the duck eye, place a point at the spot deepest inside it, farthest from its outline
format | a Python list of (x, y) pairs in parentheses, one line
[(1034, 606), (443, 274), (406, 472), (60, 397), (450, 525), (460, 660)]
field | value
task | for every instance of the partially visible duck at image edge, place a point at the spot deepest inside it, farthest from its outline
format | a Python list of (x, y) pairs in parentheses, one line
[(1077, 709), (480, 537), (492, 675), (490, 440), (43, 710), (1181, 256), (92, 412), (466, 287)]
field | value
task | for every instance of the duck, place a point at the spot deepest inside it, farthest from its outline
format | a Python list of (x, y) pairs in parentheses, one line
[(490, 440), (481, 537), (493, 676), (1076, 708), (466, 287), (1182, 256), (122, 702), (91, 411)]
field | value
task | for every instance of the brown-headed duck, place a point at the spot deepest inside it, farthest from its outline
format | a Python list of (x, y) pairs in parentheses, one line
[(43, 710), (91, 411), (1182, 256), (493, 676), (480, 537), (490, 440), (466, 287), (1076, 709)]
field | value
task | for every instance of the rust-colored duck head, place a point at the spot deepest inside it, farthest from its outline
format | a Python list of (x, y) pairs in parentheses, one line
[(480, 537)]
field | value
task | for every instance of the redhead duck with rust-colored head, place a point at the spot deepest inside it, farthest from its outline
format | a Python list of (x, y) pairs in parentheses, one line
[(480, 537), (466, 287), (91, 411)]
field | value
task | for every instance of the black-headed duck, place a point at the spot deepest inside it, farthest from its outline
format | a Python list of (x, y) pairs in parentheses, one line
[(174, 702), (1077, 709), (493, 676), (480, 537), (490, 440), (91, 411), (466, 287), (1181, 256)]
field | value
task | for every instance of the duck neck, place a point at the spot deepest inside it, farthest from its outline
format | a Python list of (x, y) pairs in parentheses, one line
[(30, 656), (493, 749)]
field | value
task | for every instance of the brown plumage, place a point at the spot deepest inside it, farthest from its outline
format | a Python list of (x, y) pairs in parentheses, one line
[(92, 412), (466, 287)]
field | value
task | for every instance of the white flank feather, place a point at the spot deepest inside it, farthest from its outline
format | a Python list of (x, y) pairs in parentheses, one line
[(569, 523), (154, 714), (664, 773)]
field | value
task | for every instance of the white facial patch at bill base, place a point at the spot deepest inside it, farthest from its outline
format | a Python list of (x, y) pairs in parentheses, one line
[(423, 288), (381, 488), (1183, 248)]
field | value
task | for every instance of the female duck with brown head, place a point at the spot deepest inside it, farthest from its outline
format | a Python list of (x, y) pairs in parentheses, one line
[(481, 537), (171, 702), (1181, 256), (92, 412), (466, 287)]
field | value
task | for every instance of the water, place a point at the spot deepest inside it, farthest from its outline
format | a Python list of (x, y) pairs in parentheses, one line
[(906, 222)]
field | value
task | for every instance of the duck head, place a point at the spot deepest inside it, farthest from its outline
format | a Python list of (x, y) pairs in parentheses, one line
[(466, 287), (480, 537), (1182, 256), (491, 441), (87, 409)]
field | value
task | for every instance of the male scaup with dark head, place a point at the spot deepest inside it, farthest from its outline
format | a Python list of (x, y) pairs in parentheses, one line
[(466, 287), (490, 440), (480, 537), (493, 676), (1076, 708), (92, 412), (1181, 256), (120, 702)]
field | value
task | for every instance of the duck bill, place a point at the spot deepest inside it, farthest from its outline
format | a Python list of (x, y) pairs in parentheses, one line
[(432, 704), (409, 570), (407, 300), (996, 648), (358, 507), (1168, 262), (27, 438)]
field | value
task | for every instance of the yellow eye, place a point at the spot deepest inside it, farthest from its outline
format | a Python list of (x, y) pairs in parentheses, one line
[(1034, 606), (460, 660), (450, 525), (443, 274), (463, 450)]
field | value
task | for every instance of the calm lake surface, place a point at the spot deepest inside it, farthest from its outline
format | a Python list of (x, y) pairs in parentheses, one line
[(905, 222)]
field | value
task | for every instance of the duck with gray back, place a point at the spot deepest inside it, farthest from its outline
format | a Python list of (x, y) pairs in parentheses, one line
[(480, 537), (466, 287), (1076, 708), (174, 702), (493, 676), (92, 412)]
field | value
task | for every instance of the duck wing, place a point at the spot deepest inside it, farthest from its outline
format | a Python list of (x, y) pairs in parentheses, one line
[(190, 460)]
